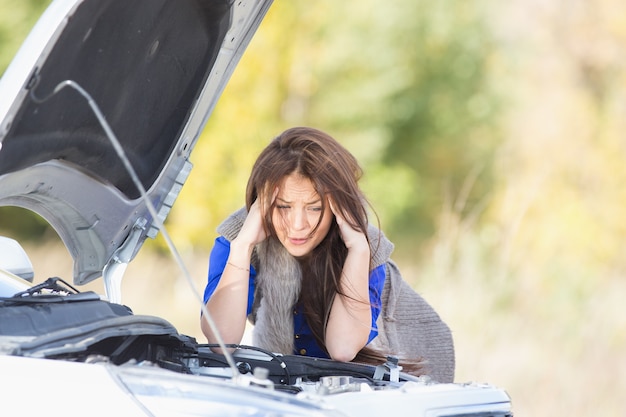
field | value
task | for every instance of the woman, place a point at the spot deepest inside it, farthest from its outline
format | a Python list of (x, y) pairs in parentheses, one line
[(303, 264)]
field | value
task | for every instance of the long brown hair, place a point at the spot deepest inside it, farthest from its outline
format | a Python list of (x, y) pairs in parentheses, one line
[(334, 173)]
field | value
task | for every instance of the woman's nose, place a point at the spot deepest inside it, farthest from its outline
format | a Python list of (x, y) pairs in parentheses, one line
[(299, 220)]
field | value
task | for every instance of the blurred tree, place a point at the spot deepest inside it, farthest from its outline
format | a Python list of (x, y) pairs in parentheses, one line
[(563, 167), (17, 17), (443, 118)]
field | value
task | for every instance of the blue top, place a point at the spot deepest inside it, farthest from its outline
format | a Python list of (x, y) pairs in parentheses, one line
[(304, 342)]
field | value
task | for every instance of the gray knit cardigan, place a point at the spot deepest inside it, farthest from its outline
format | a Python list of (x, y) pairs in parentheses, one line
[(407, 326)]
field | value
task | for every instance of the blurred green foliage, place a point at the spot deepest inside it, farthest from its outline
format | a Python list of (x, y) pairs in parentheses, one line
[(443, 122), (16, 19)]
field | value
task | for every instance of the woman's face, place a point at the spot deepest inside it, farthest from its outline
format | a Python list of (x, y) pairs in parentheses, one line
[(297, 210)]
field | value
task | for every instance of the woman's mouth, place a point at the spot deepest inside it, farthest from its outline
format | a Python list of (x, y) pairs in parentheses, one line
[(297, 241)]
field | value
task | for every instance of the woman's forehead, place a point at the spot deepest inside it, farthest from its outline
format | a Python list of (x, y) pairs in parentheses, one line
[(297, 188)]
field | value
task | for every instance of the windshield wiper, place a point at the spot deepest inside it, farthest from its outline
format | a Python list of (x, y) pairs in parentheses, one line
[(51, 284), (50, 291)]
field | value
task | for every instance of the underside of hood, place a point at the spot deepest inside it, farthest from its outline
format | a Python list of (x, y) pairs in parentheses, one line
[(143, 62), (154, 69)]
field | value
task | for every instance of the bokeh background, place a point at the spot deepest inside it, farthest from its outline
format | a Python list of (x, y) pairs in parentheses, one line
[(492, 138)]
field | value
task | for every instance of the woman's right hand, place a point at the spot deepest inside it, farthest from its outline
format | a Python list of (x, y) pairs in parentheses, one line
[(253, 230), (228, 304)]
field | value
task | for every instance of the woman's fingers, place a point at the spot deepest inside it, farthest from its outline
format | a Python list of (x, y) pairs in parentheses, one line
[(350, 236), (338, 214), (253, 229)]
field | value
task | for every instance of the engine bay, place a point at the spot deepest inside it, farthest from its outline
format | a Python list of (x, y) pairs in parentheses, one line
[(53, 320)]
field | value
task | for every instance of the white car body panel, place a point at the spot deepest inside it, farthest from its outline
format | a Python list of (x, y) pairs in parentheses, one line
[(40, 387)]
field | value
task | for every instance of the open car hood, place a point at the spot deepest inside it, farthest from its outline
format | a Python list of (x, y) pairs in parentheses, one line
[(154, 69)]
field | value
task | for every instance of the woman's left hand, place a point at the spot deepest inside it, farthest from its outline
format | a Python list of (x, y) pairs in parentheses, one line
[(350, 318), (352, 238)]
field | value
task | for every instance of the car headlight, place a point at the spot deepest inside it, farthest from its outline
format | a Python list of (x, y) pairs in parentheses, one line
[(164, 393)]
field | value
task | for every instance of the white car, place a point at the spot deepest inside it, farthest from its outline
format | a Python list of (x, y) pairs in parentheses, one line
[(99, 113)]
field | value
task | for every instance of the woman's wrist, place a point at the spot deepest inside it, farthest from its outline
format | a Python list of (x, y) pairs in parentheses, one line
[(240, 254), (360, 248), (241, 247)]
